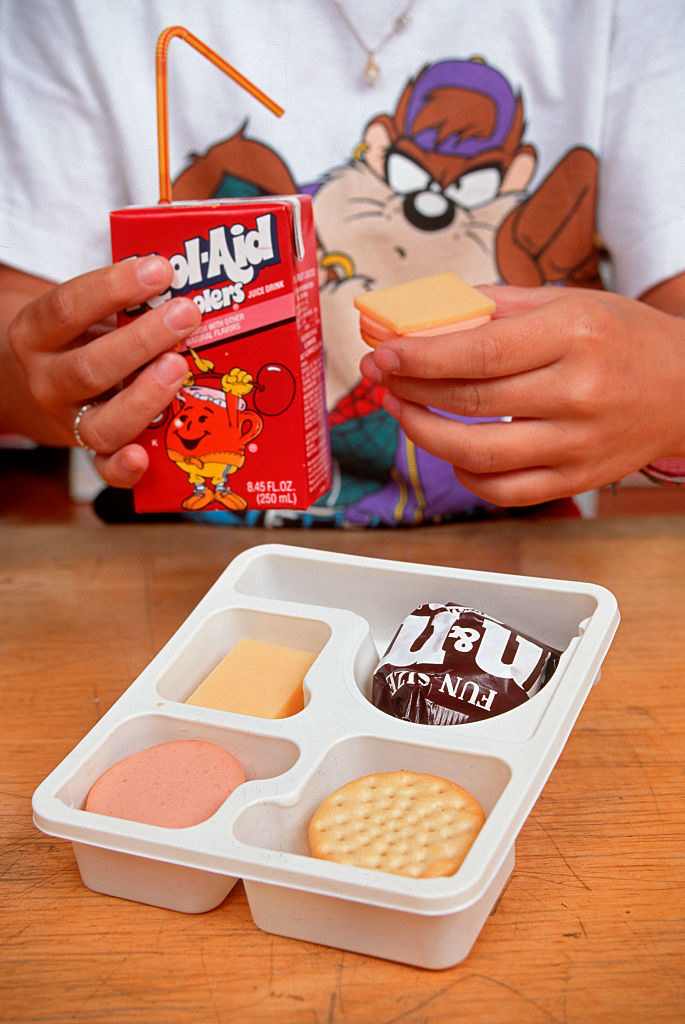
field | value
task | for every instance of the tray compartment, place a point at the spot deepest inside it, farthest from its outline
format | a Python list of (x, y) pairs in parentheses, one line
[(222, 630), (261, 756), (384, 593), (157, 883), (149, 879), (281, 824), (430, 940)]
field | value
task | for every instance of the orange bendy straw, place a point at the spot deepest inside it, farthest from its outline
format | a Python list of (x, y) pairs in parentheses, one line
[(162, 101)]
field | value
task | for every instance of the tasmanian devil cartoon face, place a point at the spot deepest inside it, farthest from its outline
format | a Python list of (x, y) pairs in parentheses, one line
[(437, 177)]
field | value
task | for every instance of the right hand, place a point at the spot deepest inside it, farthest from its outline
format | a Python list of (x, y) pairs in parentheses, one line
[(71, 356)]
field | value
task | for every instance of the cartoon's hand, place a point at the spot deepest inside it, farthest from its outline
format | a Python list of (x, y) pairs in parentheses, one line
[(545, 239), (593, 382), (184, 457), (237, 382), (203, 365), (65, 355)]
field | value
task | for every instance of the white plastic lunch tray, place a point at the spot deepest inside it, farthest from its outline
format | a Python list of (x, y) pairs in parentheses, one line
[(346, 610)]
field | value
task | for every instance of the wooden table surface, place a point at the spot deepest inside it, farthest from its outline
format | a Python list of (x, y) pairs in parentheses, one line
[(589, 927)]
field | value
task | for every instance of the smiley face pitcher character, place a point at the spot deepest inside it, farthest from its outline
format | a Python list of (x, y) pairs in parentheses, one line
[(207, 435)]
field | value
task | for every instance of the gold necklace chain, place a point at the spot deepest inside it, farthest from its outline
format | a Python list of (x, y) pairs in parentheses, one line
[(372, 71)]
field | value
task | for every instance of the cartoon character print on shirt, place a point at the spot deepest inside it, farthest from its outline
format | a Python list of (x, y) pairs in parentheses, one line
[(443, 181)]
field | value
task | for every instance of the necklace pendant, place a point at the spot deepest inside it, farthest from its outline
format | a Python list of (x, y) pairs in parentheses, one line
[(372, 72)]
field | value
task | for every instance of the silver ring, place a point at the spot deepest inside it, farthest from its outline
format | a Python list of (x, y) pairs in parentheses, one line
[(77, 424)]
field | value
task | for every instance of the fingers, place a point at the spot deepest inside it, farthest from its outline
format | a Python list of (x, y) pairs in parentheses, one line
[(70, 360), (109, 426), (538, 393), (514, 344), (510, 299), (508, 464), (62, 314), (532, 328), (521, 487), (124, 468), (94, 368), (485, 448)]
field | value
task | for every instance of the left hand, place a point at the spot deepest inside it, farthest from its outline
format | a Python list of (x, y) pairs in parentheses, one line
[(594, 383)]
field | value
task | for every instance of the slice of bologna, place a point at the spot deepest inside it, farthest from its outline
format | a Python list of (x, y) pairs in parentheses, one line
[(175, 784)]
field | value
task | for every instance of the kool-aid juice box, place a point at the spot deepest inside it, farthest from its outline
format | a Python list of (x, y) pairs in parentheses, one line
[(248, 427)]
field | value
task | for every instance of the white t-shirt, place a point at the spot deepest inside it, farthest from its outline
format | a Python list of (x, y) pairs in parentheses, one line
[(505, 140)]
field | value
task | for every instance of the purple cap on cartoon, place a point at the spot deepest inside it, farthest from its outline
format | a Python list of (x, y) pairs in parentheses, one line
[(471, 75)]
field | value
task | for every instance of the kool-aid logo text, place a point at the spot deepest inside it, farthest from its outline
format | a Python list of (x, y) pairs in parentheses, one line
[(221, 264)]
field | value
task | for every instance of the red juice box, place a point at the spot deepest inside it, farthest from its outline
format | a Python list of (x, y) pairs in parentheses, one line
[(248, 428)]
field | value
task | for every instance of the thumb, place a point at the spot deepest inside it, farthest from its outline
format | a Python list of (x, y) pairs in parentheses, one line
[(510, 299)]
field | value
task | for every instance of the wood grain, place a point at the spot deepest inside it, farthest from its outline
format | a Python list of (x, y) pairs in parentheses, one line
[(590, 926)]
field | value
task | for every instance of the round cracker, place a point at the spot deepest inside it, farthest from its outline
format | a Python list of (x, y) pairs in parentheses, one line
[(406, 823)]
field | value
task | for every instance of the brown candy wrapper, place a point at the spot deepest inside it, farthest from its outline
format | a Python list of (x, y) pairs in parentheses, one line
[(449, 664)]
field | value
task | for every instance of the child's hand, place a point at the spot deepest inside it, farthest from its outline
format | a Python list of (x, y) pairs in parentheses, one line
[(72, 358), (594, 383)]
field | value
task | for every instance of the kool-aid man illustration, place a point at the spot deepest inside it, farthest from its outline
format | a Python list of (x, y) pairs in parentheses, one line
[(211, 425), (206, 438)]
